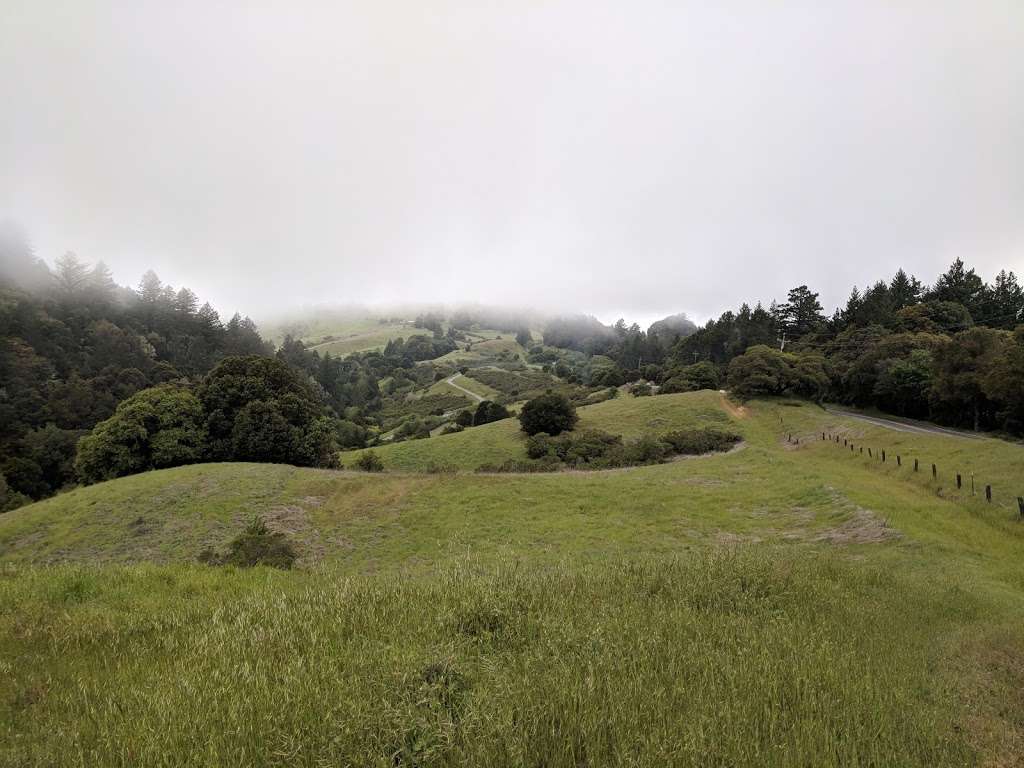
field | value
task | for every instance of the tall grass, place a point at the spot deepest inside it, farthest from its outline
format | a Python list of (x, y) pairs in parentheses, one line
[(767, 656)]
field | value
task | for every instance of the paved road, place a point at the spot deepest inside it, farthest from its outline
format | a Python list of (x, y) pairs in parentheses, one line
[(917, 427), (450, 381)]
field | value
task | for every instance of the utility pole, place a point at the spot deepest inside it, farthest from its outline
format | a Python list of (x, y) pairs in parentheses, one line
[(782, 342)]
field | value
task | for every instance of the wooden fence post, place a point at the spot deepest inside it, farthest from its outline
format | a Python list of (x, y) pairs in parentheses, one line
[(972, 483), (869, 453), (883, 456), (822, 435), (844, 442), (915, 465), (899, 461), (935, 472), (959, 482), (1020, 506), (862, 449), (988, 493)]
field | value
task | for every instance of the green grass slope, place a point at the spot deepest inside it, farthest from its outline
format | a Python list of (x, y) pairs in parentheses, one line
[(360, 336), (495, 442), (779, 605)]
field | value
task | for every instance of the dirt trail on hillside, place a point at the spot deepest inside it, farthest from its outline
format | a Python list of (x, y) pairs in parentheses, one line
[(450, 381), (737, 411)]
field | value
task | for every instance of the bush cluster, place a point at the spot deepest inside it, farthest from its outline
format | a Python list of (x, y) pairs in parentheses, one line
[(256, 545), (369, 462), (594, 449), (694, 442)]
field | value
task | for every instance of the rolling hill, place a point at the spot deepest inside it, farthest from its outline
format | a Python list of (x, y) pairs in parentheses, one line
[(787, 603)]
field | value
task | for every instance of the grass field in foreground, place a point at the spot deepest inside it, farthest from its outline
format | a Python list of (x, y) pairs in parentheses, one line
[(779, 605)]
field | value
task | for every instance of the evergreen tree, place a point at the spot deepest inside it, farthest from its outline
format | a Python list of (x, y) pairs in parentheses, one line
[(149, 287), (905, 290), (961, 285), (1004, 302), (801, 314), (72, 275), (100, 283), (185, 302)]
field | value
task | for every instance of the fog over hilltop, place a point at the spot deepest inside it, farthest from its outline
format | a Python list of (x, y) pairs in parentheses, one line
[(625, 160)]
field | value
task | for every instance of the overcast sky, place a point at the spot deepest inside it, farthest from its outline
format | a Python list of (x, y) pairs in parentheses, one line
[(633, 158)]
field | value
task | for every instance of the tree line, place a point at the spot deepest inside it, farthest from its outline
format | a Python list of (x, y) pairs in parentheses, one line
[(137, 367), (952, 352)]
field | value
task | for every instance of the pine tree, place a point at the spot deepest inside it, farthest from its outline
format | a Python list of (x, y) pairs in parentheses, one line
[(905, 290), (1004, 304), (962, 286), (209, 318), (72, 274), (185, 302), (801, 314), (149, 287), (100, 282)]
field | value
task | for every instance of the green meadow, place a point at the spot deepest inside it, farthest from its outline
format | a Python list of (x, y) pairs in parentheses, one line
[(790, 603)]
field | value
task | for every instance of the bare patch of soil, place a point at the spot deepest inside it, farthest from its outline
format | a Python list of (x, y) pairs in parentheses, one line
[(863, 527)]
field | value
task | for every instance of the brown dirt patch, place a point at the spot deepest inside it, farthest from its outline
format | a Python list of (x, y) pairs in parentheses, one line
[(863, 527), (736, 411)]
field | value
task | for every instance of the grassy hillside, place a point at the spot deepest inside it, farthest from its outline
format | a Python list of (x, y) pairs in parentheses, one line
[(779, 605), (494, 443)]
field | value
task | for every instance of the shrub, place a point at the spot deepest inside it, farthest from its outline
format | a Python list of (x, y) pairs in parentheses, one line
[(545, 464), (464, 418), (441, 468), (487, 411), (538, 445), (412, 429), (370, 462), (641, 389), (551, 413), (256, 545), (451, 429), (645, 450), (586, 447), (693, 442)]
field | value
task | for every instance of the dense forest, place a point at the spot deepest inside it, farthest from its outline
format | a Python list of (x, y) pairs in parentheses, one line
[(952, 352), (100, 380)]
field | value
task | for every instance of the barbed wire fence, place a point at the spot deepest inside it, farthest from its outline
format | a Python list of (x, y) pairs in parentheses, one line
[(883, 456)]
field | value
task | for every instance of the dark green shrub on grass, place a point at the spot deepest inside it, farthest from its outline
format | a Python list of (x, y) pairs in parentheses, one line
[(487, 411), (641, 389), (256, 545), (370, 462), (693, 442), (551, 413)]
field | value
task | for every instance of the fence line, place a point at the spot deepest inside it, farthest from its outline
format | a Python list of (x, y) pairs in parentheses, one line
[(882, 456)]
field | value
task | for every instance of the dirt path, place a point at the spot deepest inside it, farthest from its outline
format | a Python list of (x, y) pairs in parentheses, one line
[(450, 381), (915, 427), (738, 411)]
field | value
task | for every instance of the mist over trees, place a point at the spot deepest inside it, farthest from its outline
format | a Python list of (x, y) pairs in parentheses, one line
[(100, 380), (947, 352)]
